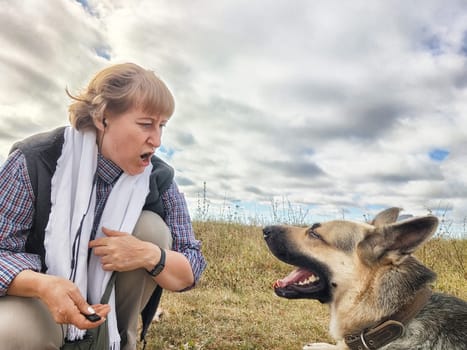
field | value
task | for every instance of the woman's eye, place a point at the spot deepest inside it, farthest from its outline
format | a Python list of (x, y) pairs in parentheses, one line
[(145, 125)]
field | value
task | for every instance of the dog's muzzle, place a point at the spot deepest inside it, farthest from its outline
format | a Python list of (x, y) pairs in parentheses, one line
[(269, 231), (309, 280)]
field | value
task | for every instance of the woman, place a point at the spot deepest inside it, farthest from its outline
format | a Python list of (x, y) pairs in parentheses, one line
[(80, 202)]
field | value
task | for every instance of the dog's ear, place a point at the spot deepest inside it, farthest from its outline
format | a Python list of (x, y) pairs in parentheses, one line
[(385, 217), (393, 243)]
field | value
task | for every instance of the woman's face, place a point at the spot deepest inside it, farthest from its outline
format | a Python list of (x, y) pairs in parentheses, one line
[(130, 139)]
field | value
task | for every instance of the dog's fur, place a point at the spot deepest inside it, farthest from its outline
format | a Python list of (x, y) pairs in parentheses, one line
[(365, 272)]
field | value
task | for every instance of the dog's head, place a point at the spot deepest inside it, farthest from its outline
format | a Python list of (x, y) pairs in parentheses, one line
[(333, 257)]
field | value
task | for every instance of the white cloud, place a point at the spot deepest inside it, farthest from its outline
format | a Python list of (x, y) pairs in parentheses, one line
[(329, 103)]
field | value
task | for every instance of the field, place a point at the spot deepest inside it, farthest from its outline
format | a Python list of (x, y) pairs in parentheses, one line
[(234, 306)]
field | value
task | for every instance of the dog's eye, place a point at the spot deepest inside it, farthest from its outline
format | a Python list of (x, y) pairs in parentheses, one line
[(313, 234), (312, 231)]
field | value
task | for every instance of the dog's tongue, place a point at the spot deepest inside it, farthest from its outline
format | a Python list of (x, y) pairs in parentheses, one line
[(295, 276)]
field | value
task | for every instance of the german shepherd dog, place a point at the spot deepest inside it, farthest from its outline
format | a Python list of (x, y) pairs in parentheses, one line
[(378, 293)]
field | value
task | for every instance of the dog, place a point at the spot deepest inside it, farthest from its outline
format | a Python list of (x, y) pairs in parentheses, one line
[(378, 293)]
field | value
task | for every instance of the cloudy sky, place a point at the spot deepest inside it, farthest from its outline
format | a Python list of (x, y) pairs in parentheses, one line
[(284, 108)]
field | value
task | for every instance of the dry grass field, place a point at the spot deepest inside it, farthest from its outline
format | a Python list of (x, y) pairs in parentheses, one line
[(234, 306)]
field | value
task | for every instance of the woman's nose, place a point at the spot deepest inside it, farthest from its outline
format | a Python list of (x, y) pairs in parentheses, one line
[(155, 138)]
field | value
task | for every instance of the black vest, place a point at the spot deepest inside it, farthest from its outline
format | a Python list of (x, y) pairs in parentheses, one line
[(42, 152)]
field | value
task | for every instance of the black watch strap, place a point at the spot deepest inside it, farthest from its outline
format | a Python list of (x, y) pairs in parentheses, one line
[(157, 269)]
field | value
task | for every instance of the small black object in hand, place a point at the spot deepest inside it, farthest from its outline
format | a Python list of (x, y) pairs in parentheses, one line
[(93, 317)]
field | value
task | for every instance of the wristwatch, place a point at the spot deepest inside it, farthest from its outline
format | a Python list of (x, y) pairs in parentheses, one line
[(157, 269)]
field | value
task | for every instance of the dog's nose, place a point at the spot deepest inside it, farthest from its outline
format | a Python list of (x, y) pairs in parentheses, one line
[(267, 231)]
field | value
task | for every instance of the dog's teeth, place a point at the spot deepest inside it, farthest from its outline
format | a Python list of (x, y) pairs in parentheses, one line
[(309, 280)]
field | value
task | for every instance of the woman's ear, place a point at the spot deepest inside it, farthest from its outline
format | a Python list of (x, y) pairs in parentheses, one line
[(100, 123)]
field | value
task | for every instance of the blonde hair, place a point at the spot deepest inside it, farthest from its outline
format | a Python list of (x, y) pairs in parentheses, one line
[(116, 90)]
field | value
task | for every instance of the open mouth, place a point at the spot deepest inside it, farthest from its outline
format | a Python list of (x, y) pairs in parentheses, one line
[(303, 283), (311, 277), (146, 156)]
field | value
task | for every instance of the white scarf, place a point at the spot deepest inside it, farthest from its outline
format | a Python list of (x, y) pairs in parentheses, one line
[(72, 197)]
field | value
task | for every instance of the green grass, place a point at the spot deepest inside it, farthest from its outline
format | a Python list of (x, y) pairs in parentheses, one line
[(234, 306)]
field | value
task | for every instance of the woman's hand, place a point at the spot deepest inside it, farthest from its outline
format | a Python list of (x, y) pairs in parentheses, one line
[(61, 296), (66, 304), (121, 251)]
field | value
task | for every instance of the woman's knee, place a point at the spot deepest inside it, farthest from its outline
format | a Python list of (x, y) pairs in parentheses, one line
[(151, 227), (25, 323)]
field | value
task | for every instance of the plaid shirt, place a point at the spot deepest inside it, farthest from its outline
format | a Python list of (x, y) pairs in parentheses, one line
[(17, 213)]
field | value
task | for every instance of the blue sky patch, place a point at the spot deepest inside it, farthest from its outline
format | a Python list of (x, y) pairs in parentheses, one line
[(433, 44), (308, 151), (464, 44), (85, 5), (438, 154), (167, 152), (103, 52)]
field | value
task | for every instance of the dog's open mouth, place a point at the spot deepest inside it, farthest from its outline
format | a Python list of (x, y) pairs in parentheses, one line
[(311, 277), (300, 283)]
